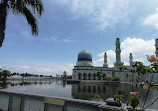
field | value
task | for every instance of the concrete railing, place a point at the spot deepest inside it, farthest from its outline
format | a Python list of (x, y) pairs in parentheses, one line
[(10, 101)]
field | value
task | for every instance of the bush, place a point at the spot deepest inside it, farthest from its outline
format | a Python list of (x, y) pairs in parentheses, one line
[(116, 79), (108, 77)]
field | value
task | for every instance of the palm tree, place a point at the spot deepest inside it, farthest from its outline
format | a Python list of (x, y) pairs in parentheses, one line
[(20, 7)]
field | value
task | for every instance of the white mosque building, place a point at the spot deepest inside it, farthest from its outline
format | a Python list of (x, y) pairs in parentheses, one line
[(84, 69)]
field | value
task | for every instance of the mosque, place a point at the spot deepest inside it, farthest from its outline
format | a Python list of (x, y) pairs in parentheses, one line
[(84, 69)]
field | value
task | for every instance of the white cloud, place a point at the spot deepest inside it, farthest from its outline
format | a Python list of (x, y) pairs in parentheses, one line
[(53, 69), (67, 40), (98, 62), (58, 40), (126, 63), (140, 59), (102, 12), (137, 46), (152, 20), (111, 57), (54, 39), (24, 67)]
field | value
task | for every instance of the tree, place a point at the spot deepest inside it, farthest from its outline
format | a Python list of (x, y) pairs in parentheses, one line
[(116, 79), (41, 76), (140, 72), (5, 74), (99, 74), (20, 7), (23, 75)]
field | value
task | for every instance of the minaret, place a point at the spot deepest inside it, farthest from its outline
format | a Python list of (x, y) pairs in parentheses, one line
[(105, 60), (156, 47), (118, 62), (130, 59)]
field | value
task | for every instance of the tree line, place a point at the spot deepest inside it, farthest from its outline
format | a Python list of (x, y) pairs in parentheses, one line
[(5, 74)]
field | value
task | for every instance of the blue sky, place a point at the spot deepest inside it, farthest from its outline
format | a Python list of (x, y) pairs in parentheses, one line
[(70, 26)]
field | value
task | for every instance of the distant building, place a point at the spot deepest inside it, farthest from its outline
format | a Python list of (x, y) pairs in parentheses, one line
[(64, 73), (84, 69), (57, 76)]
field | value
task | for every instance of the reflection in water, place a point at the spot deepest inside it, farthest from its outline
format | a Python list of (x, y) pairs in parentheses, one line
[(76, 91), (4, 85), (87, 91)]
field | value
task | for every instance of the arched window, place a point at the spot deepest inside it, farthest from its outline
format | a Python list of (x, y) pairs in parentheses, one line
[(104, 76), (84, 76), (89, 76), (79, 76), (94, 76)]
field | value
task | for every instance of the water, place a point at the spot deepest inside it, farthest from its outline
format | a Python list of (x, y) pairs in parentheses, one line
[(75, 91)]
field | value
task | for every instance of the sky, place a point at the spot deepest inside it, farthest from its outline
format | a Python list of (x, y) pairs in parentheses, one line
[(69, 26)]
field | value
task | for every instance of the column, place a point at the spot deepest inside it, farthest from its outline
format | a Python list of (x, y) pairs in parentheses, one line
[(130, 59), (156, 47), (118, 62)]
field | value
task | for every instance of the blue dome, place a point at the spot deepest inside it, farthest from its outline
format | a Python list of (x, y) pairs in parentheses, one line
[(85, 56)]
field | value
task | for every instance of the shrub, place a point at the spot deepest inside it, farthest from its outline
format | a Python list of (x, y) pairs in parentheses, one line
[(116, 79)]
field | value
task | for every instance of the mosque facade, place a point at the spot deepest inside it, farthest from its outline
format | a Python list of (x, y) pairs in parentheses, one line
[(85, 70)]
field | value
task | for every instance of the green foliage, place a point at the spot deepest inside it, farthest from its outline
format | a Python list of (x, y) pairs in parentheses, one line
[(155, 87), (154, 66), (97, 97), (99, 74), (127, 75), (149, 69), (123, 68), (134, 102), (117, 79), (139, 68), (107, 78), (132, 70), (118, 98), (4, 74), (22, 7), (121, 94), (139, 71)]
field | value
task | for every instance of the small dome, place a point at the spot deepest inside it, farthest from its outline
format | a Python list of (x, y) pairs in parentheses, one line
[(85, 56)]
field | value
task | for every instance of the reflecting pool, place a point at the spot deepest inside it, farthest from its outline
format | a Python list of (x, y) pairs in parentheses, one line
[(76, 91)]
